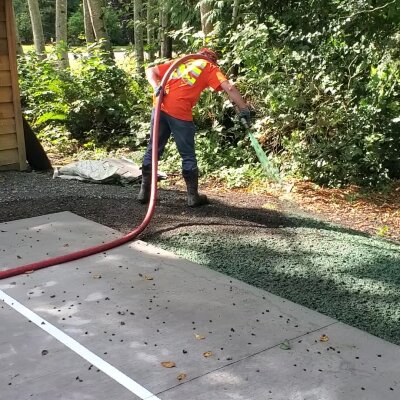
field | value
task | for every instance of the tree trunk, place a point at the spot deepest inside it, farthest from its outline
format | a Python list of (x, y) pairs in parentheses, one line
[(89, 33), (37, 27), (205, 15), (235, 19), (151, 9), (235, 12), (160, 30), (139, 50), (165, 40), (61, 32), (20, 50), (99, 29)]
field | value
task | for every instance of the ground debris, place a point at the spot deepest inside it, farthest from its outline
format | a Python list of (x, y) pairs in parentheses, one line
[(168, 364)]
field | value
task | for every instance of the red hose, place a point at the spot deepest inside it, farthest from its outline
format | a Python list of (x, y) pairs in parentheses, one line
[(150, 210)]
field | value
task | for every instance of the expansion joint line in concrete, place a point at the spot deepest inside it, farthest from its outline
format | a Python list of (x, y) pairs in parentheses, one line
[(82, 351), (243, 358)]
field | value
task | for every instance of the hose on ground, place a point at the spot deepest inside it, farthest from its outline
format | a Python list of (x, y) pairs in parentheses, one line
[(150, 210)]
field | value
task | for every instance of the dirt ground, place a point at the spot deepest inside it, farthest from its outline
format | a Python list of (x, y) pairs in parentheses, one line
[(281, 241), (24, 195), (376, 214)]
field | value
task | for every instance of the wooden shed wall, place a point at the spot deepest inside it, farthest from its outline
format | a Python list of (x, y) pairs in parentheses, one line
[(12, 145)]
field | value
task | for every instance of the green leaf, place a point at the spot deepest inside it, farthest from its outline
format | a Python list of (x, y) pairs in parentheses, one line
[(285, 345), (50, 117)]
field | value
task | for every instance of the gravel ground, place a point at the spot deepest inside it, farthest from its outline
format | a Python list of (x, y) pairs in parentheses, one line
[(341, 273)]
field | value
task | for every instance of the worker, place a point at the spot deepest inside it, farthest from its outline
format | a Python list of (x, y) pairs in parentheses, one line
[(181, 93)]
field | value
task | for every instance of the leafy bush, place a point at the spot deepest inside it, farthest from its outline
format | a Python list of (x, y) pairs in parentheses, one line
[(327, 101), (219, 152), (76, 28), (105, 102), (96, 102), (322, 75), (114, 27), (23, 21), (44, 90)]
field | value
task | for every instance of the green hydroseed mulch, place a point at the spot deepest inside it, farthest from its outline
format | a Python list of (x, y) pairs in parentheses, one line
[(342, 274)]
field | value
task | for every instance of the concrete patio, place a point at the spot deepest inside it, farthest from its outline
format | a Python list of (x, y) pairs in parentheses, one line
[(100, 327)]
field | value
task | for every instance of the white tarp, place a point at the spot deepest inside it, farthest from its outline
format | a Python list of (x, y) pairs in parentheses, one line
[(109, 170)]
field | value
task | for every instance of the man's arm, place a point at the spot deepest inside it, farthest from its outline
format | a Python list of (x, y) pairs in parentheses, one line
[(153, 76), (236, 98), (234, 95)]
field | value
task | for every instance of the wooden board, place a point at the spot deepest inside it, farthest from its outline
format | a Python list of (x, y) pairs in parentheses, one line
[(7, 126), (8, 157), (6, 94), (6, 110), (12, 109), (3, 30), (2, 11), (3, 46), (9, 167), (5, 78), (8, 142), (4, 63)]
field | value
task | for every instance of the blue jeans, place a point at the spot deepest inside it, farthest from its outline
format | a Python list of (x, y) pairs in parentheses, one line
[(183, 133)]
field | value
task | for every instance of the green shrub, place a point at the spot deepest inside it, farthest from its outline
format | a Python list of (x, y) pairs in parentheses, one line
[(327, 101), (76, 28), (106, 102), (44, 89), (96, 102), (322, 75)]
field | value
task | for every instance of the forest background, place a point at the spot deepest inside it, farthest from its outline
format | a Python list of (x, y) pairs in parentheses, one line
[(322, 78)]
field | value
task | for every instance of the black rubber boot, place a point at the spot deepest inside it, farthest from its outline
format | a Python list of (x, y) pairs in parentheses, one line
[(145, 188), (194, 199)]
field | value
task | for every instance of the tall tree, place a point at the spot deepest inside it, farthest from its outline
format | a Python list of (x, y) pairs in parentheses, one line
[(205, 15), (37, 27), (235, 20), (151, 29), (20, 50), (164, 39), (139, 47), (99, 29), (235, 12), (61, 32), (89, 33)]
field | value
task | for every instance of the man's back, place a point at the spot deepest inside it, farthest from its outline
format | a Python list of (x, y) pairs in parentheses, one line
[(186, 84)]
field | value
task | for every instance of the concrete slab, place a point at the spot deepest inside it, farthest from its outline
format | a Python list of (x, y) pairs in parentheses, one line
[(47, 236), (34, 365), (351, 364), (137, 306)]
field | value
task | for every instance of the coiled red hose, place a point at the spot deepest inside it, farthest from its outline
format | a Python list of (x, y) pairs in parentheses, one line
[(150, 210)]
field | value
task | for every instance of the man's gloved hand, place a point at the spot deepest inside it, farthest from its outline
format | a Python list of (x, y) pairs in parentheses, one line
[(244, 117)]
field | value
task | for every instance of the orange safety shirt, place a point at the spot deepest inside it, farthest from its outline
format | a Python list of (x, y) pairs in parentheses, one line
[(186, 84)]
